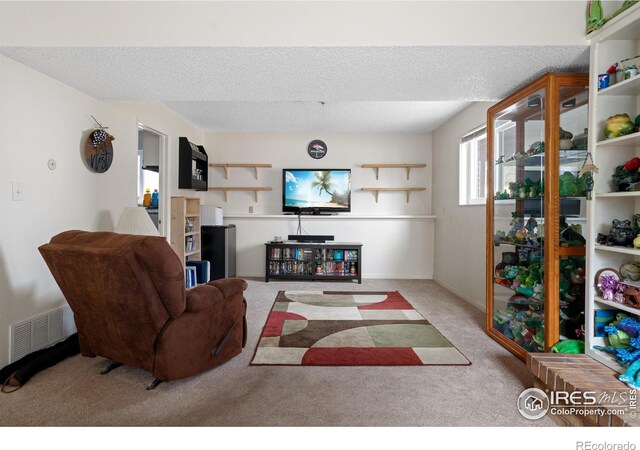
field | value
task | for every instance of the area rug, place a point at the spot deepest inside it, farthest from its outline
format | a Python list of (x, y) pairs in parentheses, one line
[(332, 328)]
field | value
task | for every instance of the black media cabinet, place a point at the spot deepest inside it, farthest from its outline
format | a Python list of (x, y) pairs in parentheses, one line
[(331, 261)]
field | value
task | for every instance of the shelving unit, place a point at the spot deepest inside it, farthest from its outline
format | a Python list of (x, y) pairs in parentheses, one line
[(226, 189), (226, 167), (185, 228), (534, 290), (193, 172), (622, 142), (409, 190), (616, 40), (377, 167), (331, 261)]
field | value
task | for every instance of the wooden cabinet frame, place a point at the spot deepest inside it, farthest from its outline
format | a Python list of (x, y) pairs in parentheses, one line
[(551, 84)]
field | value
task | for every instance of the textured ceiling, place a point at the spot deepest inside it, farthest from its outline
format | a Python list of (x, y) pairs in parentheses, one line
[(370, 117), (210, 86)]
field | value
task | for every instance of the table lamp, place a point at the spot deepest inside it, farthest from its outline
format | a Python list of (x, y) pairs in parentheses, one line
[(136, 220)]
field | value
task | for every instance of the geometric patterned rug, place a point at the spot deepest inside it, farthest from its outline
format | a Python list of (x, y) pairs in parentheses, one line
[(332, 328)]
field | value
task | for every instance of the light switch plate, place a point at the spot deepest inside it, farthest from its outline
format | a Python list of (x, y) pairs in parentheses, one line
[(17, 191)]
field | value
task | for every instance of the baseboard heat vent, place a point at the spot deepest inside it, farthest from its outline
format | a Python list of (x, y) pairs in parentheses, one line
[(40, 332)]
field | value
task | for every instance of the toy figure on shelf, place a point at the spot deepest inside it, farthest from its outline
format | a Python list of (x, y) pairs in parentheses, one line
[(535, 148), (630, 271), (623, 335), (522, 192), (518, 230), (565, 139), (580, 140), (568, 185), (626, 176), (621, 234), (500, 159), (612, 289), (538, 292), (632, 376), (618, 125), (514, 188), (595, 18), (571, 235), (532, 226)]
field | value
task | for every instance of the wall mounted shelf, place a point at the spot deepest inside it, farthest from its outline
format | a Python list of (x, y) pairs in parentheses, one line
[(226, 167), (192, 166), (226, 189), (376, 191), (377, 167)]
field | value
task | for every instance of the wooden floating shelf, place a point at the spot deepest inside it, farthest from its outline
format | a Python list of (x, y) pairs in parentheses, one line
[(377, 167), (227, 189), (226, 167), (407, 190)]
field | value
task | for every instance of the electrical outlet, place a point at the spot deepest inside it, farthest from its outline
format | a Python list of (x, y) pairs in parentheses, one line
[(250, 209), (17, 191)]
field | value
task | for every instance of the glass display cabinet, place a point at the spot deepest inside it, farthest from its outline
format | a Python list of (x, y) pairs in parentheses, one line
[(536, 214)]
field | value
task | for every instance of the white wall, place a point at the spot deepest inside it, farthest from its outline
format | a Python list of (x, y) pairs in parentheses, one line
[(459, 263), (393, 248), (42, 119)]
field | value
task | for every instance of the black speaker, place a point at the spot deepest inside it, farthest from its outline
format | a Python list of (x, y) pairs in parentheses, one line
[(311, 237)]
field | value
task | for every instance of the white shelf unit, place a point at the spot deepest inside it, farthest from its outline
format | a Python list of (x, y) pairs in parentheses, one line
[(617, 40)]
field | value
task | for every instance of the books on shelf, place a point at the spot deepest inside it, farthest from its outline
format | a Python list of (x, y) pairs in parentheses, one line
[(351, 255), (203, 270), (329, 268), (190, 277), (189, 244)]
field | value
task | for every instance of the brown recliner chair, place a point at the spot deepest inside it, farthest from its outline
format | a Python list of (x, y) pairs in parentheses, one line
[(130, 304)]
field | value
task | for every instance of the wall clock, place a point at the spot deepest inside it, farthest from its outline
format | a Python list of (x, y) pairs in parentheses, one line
[(98, 151), (317, 149)]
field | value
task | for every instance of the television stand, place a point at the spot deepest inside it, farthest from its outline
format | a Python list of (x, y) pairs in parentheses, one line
[(314, 261)]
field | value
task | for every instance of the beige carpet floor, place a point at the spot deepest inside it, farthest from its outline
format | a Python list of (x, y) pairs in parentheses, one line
[(237, 394)]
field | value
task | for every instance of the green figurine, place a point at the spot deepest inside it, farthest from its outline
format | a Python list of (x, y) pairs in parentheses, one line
[(595, 19)]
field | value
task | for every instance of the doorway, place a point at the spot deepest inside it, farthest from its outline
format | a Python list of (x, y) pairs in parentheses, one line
[(152, 180)]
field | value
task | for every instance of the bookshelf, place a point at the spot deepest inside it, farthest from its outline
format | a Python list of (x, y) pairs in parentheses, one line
[(331, 261), (616, 41), (185, 228)]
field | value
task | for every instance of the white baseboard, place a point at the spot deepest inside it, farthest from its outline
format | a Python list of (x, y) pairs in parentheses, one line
[(478, 304)]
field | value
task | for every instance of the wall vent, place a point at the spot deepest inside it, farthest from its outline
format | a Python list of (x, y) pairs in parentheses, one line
[(40, 332)]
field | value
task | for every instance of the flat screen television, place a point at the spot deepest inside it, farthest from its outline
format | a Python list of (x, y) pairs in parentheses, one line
[(313, 191)]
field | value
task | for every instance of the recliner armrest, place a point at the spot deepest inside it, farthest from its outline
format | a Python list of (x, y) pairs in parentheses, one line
[(202, 297), (230, 286), (205, 295)]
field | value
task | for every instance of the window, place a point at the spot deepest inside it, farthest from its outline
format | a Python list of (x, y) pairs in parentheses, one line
[(473, 167)]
